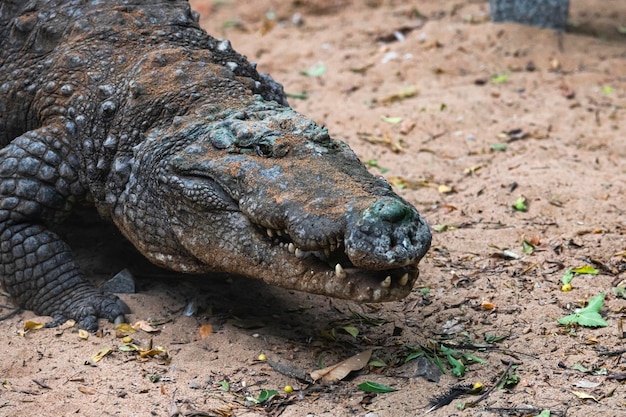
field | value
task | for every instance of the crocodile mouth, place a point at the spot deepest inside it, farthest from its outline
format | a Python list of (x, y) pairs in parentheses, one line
[(356, 283), (317, 264)]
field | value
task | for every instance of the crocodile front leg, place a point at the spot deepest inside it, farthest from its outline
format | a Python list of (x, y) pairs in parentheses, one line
[(39, 179)]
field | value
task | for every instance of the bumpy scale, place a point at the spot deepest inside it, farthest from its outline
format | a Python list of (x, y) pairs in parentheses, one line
[(193, 154)]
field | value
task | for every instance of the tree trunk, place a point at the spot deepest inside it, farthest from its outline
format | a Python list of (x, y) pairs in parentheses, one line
[(542, 13)]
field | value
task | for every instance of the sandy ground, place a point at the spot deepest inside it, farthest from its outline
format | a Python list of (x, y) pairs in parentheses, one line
[(495, 112)]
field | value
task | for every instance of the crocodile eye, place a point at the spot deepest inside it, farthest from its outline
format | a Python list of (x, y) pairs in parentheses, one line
[(263, 150)]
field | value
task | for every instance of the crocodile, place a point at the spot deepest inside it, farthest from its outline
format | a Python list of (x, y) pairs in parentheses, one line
[(197, 158)]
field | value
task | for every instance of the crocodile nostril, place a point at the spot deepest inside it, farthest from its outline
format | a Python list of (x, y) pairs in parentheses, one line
[(392, 211)]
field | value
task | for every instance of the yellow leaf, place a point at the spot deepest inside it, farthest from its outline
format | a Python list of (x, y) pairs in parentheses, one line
[(406, 93), (30, 325), (101, 354), (125, 328), (340, 370), (472, 169), (584, 396), (157, 350), (445, 189), (83, 334), (67, 325)]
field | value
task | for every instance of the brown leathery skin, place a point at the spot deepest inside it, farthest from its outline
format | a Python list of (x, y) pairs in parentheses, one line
[(192, 153)]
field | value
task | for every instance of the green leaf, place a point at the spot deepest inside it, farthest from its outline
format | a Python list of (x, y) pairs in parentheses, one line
[(376, 363), (413, 355), (527, 247), (607, 89), (352, 331), (586, 269), (424, 290), (224, 385), (580, 368), (500, 78), (595, 304), (473, 358), (499, 147), (315, 71), (439, 228), (299, 96), (391, 120), (374, 163), (492, 338), (619, 292), (369, 386), (264, 396), (521, 204), (588, 316), (544, 413), (568, 275), (511, 380), (458, 368)]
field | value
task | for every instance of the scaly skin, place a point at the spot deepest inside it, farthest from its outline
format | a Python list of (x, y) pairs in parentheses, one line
[(195, 156)]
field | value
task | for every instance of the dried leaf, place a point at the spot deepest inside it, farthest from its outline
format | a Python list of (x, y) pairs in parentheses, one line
[(404, 94), (584, 396), (205, 331), (87, 390), (101, 354), (30, 325), (487, 305), (157, 350), (340, 370), (145, 326), (125, 329), (83, 334), (394, 144), (583, 383)]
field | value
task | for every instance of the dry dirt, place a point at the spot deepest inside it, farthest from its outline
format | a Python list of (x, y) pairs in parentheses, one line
[(500, 112)]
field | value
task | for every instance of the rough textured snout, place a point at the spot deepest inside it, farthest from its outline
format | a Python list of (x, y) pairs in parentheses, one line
[(388, 234)]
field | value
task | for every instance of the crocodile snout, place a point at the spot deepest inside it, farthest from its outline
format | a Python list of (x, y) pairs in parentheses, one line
[(388, 234), (391, 210)]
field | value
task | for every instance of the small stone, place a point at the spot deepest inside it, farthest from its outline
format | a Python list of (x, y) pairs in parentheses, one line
[(122, 283)]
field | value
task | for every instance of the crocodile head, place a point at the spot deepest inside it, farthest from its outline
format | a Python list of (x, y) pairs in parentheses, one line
[(266, 193)]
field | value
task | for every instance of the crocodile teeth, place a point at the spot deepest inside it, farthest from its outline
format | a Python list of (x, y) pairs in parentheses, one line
[(270, 232), (386, 282), (340, 272), (279, 232), (291, 247), (298, 253), (404, 279)]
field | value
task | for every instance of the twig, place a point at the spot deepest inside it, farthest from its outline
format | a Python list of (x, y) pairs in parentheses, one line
[(486, 394), (42, 384)]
